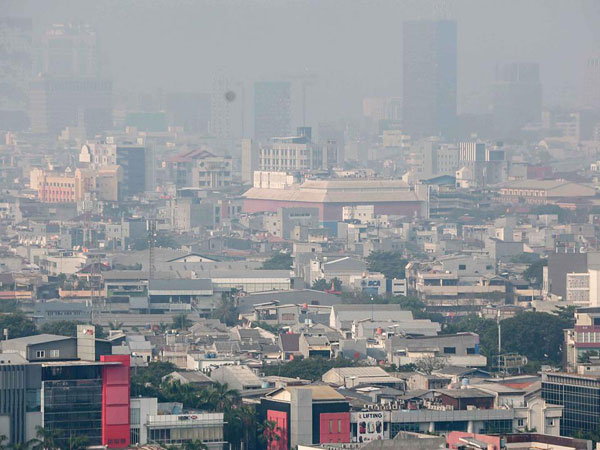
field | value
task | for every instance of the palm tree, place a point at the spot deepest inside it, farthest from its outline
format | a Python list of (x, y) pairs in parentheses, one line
[(46, 439), (115, 325), (27, 445), (78, 442), (226, 397), (207, 399), (271, 432), (196, 444), (181, 322), (242, 426)]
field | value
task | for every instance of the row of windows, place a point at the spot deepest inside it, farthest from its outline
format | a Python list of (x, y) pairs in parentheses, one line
[(39, 354), (524, 193), (588, 337)]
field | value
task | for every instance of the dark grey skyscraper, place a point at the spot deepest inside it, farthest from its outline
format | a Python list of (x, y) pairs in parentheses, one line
[(517, 97), (429, 77), (272, 103)]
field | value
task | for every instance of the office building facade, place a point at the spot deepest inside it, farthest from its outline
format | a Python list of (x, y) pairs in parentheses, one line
[(429, 77), (517, 97), (272, 109), (580, 397)]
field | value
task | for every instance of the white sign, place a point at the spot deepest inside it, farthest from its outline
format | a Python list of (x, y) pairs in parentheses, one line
[(370, 426)]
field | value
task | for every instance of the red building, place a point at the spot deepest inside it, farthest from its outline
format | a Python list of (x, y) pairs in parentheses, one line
[(315, 414), (115, 401)]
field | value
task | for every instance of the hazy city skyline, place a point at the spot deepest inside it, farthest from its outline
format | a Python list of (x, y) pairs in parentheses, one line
[(353, 47)]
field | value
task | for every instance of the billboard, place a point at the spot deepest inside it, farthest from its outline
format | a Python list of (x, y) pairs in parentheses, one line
[(370, 425)]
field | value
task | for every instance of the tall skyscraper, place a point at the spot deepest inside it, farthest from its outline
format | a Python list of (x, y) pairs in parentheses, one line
[(69, 51), (517, 97), (429, 77), (272, 109), (190, 110), (220, 108), (56, 103), (590, 97), (68, 91), (15, 70)]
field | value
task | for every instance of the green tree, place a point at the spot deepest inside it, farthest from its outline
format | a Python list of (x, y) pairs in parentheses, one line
[(525, 258), (241, 427), (535, 272), (196, 444), (8, 306), (68, 328), (227, 311), (308, 369), (28, 445), (271, 432), (181, 322), (226, 397), (536, 335), (115, 325), (279, 261), (585, 357), (146, 381), (79, 442), (265, 326), (324, 285), (46, 439), (3, 442), (163, 240), (18, 325), (391, 264)]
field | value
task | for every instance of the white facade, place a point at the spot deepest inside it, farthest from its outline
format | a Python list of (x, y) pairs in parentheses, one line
[(140, 408), (363, 213), (578, 288), (594, 292)]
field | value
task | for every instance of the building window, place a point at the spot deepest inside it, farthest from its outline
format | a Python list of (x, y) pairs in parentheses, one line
[(54, 353), (40, 354), (449, 350), (470, 350), (134, 417), (462, 267), (521, 423), (135, 436)]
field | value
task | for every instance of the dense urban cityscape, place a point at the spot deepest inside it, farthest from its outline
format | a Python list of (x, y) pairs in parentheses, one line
[(299, 224)]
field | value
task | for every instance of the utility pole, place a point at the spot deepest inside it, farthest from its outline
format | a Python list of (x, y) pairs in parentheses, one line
[(499, 338)]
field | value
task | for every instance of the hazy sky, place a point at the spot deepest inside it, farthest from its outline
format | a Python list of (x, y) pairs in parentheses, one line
[(353, 45)]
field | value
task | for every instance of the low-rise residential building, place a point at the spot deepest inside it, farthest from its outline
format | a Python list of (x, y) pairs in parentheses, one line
[(461, 349), (240, 378), (350, 377)]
